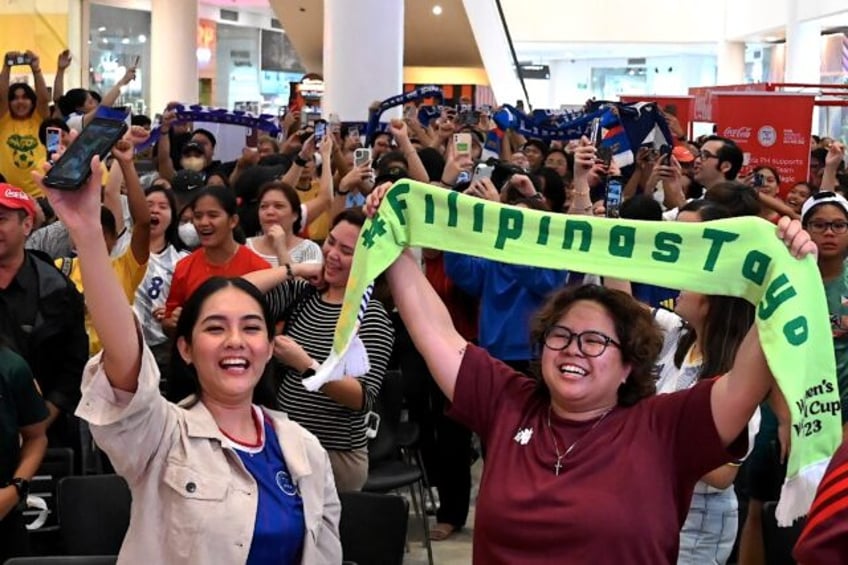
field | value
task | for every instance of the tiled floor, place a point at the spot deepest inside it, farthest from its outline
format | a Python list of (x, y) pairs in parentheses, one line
[(454, 551)]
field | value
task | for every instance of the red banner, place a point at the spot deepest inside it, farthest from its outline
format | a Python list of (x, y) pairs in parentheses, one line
[(772, 129), (682, 107), (703, 111)]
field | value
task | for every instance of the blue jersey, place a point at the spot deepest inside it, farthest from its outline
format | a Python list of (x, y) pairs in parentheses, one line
[(280, 527)]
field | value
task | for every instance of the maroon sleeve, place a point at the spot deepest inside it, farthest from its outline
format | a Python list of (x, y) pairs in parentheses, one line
[(825, 535), (480, 386), (686, 417)]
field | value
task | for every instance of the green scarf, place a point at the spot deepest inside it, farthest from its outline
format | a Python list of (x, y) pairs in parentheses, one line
[(736, 257)]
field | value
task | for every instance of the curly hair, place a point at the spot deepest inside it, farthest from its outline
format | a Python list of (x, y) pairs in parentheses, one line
[(640, 337)]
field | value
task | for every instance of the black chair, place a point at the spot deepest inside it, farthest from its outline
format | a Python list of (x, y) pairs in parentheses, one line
[(58, 463), (373, 528), (778, 541), (387, 470), (94, 514), (65, 560)]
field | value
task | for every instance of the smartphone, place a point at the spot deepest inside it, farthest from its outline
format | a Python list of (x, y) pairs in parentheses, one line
[(595, 132), (758, 180), (320, 131), (612, 198), (353, 131), (462, 143), (665, 155), (251, 140), (482, 171), (136, 61), (361, 156), (18, 60), (304, 118), (74, 166), (54, 141)]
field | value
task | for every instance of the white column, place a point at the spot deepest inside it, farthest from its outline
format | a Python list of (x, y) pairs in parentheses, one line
[(803, 48), (173, 49), (730, 59), (363, 56)]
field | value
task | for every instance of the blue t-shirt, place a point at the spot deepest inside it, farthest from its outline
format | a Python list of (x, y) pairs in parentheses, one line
[(280, 527)]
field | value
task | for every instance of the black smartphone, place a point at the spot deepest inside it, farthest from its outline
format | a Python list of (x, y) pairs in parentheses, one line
[(759, 181), (74, 167), (612, 198), (320, 131), (665, 155)]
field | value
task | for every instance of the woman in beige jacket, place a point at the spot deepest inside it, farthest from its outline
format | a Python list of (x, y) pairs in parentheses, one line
[(215, 479)]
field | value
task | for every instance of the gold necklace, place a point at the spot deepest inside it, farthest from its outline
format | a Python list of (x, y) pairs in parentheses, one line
[(560, 457)]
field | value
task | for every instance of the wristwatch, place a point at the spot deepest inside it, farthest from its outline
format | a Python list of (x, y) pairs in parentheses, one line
[(22, 486), (299, 161)]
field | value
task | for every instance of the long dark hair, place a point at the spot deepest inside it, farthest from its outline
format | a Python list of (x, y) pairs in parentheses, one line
[(172, 232), (184, 380), (290, 195)]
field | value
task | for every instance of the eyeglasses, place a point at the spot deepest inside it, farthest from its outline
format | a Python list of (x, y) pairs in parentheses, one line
[(590, 343), (838, 227), (705, 155)]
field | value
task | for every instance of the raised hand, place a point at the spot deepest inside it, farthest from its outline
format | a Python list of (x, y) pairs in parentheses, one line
[(78, 209), (65, 60)]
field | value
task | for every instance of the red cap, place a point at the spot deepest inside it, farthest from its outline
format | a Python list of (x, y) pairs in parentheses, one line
[(14, 198), (682, 154)]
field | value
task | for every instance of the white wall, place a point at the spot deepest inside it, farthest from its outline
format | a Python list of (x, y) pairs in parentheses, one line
[(571, 82)]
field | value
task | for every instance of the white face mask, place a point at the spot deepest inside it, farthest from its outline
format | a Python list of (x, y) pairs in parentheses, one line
[(193, 163), (188, 234)]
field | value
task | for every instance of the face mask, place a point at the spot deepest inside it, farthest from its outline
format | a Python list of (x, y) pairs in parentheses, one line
[(193, 163), (188, 234)]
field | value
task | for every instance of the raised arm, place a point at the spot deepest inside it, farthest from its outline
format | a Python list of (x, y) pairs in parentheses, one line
[(307, 152), (42, 97), (164, 164), (424, 314), (414, 165), (584, 160), (834, 157), (736, 395), (59, 81), (5, 79), (124, 152), (111, 316), (112, 96)]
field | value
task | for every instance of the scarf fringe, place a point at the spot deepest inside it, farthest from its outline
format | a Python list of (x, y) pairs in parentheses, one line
[(798, 493), (353, 361)]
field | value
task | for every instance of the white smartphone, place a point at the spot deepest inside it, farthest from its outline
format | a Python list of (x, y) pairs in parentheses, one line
[(361, 156), (462, 143)]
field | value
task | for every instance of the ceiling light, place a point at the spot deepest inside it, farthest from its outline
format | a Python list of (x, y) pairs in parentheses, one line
[(104, 40), (437, 10), (142, 38), (125, 41), (101, 29)]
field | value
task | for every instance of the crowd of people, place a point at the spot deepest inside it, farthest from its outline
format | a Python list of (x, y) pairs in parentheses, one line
[(175, 303)]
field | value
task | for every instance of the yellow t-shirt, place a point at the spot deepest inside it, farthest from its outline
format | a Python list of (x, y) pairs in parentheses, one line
[(21, 152), (319, 227), (130, 274)]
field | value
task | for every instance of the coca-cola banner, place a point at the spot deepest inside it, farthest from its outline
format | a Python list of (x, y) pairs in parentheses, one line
[(703, 107), (680, 107), (772, 129)]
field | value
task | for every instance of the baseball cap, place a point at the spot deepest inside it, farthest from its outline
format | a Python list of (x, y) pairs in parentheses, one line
[(822, 198), (192, 147), (682, 154), (14, 198), (185, 185)]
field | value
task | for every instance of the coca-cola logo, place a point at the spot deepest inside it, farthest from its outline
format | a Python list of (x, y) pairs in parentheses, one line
[(742, 132)]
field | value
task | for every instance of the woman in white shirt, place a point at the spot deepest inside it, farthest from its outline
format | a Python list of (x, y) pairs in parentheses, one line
[(281, 219)]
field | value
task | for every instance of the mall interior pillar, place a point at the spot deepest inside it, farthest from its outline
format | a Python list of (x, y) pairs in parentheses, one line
[(731, 62), (363, 56), (173, 47), (803, 48)]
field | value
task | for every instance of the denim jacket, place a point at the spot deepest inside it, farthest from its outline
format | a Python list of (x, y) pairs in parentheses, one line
[(193, 499)]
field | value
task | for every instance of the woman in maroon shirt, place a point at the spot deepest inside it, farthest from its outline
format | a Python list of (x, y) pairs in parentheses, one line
[(584, 464)]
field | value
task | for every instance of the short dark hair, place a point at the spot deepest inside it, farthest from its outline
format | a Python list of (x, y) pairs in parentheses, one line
[(222, 194), (292, 197), (353, 216), (140, 120), (640, 337), (207, 134), (28, 93), (706, 210), (641, 207), (73, 100), (737, 198), (729, 153)]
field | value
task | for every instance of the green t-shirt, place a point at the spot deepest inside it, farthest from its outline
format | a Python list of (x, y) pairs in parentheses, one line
[(837, 306), (20, 405)]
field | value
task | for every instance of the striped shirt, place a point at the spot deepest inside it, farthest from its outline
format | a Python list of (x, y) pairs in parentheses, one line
[(311, 323)]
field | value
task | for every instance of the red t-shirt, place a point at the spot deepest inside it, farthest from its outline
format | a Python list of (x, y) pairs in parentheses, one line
[(194, 270), (624, 491), (825, 535)]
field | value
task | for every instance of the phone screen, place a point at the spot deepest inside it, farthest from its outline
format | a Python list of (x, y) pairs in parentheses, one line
[(74, 166), (361, 156), (595, 132), (54, 140), (612, 200), (320, 131), (462, 143)]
